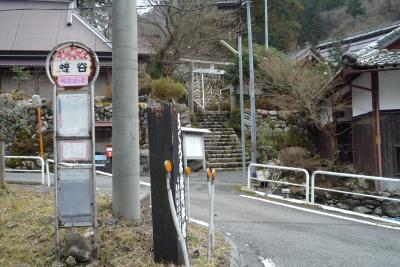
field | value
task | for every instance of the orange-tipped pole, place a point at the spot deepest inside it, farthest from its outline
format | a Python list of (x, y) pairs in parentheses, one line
[(168, 166), (188, 171)]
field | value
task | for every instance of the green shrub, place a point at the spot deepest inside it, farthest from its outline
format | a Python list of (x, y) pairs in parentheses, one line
[(269, 143), (167, 89)]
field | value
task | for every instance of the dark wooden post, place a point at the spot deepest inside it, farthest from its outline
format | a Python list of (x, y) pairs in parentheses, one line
[(163, 138), (376, 122)]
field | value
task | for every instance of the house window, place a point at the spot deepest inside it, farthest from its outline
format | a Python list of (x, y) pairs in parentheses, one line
[(397, 150)]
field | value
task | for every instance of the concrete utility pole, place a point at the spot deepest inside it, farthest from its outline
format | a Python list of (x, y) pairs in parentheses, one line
[(251, 87), (125, 131), (2, 165), (243, 138), (266, 24)]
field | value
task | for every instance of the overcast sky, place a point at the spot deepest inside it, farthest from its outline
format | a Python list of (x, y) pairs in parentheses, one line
[(141, 3)]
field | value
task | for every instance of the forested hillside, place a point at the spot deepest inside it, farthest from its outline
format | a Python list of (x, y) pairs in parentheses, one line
[(291, 22), (295, 22)]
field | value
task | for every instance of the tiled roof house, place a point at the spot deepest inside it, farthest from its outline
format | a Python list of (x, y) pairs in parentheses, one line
[(370, 80)]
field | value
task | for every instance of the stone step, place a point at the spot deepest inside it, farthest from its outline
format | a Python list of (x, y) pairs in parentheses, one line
[(225, 155), (211, 119), (214, 126), (221, 142), (221, 147), (208, 112), (225, 165), (222, 136), (213, 151), (223, 139), (234, 159), (218, 129), (211, 125), (220, 133)]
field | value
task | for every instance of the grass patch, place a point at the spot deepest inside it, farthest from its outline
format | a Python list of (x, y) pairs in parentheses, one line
[(27, 234)]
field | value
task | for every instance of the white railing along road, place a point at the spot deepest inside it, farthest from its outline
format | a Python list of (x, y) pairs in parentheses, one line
[(30, 158), (304, 171)]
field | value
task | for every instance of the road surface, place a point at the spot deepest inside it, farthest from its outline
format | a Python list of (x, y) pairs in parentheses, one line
[(269, 234)]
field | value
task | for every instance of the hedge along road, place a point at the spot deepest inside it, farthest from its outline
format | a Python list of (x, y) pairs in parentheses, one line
[(272, 234)]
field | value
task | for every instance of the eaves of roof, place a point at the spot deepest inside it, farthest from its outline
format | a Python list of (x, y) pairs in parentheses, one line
[(376, 54), (360, 35)]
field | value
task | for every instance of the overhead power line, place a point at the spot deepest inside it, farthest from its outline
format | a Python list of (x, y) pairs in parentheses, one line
[(109, 6)]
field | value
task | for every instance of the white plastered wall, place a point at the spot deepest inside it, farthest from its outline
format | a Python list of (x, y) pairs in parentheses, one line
[(389, 90), (362, 99)]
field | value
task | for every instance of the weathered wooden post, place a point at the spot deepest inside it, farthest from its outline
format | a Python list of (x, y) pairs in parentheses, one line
[(165, 144), (2, 165)]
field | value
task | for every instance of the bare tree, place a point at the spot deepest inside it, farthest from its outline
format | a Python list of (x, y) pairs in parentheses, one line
[(308, 90), (98, 14), (187, 29)]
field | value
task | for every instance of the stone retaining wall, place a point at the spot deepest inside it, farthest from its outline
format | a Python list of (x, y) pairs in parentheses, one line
[(273, 121)]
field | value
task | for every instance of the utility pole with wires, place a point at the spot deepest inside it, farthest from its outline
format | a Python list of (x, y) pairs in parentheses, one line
[(125, 130), (251, 88)]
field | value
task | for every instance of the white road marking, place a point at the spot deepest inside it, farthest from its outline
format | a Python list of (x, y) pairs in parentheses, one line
[(268, 263), (145, 184), (321, 213), (358, 214), (198, 222), (329, 208), (110, 175)]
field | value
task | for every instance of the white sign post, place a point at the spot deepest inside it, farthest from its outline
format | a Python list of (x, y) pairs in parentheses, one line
[(72, 68), (193, 145)]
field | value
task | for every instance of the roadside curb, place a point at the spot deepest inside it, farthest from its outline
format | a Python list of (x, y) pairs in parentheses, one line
[(24, 183), (234, 257)]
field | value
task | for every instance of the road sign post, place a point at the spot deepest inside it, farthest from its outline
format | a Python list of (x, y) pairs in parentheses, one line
[(72, 68), (165, 144)]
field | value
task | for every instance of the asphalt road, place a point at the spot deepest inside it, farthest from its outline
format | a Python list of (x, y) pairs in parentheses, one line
[(283, 236)]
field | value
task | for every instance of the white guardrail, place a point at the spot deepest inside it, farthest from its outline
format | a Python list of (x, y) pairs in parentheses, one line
[(304, 171), (71, 165), (30, 158), (348, 175)]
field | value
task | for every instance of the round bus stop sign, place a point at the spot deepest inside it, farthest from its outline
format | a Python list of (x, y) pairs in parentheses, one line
[(72, 65)]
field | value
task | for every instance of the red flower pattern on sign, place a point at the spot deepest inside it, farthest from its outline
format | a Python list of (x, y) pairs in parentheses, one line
[(72, 53)]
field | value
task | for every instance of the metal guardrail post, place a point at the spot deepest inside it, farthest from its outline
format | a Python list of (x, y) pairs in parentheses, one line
[(283, 168), (48, 170), (248, 176), (312, 188)]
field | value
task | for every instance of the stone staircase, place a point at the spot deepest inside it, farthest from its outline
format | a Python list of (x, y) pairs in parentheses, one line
[(222, 146)]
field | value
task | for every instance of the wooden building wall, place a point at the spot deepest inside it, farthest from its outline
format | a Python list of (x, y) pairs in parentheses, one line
[(363, 145), (390, 131), (325, 146)]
